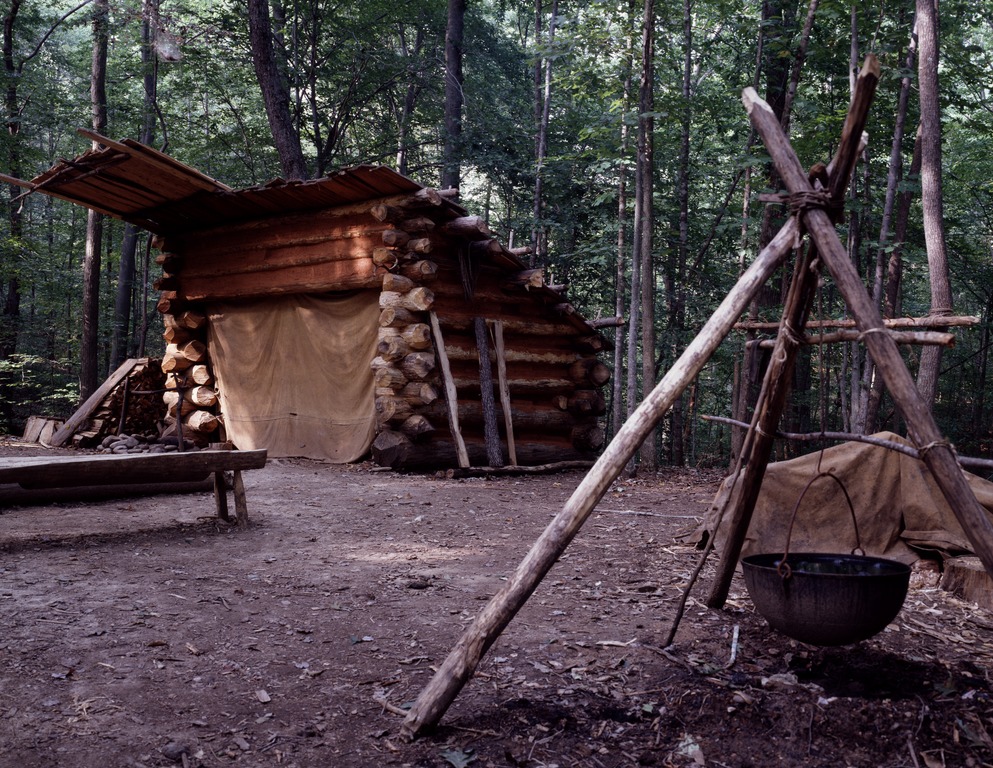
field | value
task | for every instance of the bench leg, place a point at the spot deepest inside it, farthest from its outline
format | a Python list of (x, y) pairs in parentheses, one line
[(221, 496), (240, 501)]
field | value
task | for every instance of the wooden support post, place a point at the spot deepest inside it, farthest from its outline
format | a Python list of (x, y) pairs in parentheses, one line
[(508, 419), (240, 500), (451, 394), (494, 456), (461, 662), (221, 496), (937, 451)]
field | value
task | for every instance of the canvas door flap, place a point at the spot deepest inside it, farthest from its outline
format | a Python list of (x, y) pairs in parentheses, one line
[(293, 373)]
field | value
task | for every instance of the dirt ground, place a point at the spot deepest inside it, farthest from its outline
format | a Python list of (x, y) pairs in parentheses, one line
[(144, 632)]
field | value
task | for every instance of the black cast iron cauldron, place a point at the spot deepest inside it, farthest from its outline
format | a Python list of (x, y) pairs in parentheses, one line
[(826, 599)]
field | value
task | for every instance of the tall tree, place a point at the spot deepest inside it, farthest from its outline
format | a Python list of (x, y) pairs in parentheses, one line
[(451, 170), (645, 220), (539, 238), (931, 193), (89, 353), (275, 91), (12, 289)]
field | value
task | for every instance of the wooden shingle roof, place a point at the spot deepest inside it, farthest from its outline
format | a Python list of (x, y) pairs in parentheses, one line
[(133, 182)]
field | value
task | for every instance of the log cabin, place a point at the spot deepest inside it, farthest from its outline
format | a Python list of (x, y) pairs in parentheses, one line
[(358, 313)]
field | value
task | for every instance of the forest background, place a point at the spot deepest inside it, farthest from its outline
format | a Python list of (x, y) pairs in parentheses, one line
[(609, 136)]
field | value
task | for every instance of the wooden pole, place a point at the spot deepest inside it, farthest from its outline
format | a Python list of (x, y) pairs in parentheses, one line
[(494, 455), (937, 452), (508, 419), (462, 660), (772, 401), (451, 394)]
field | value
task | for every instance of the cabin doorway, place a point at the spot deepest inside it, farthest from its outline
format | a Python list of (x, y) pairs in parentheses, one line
[(293, 373)]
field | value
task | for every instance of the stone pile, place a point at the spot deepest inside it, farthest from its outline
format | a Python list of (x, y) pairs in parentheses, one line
[(142, 444)]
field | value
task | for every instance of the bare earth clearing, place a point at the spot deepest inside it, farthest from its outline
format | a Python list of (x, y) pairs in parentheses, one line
[(143, 632)]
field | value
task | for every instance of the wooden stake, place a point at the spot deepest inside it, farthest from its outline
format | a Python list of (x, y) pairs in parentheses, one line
[(451, 395), (494, 456), (461, 662)]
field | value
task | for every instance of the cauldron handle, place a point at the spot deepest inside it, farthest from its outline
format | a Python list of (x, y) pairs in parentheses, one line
[(783, 568)]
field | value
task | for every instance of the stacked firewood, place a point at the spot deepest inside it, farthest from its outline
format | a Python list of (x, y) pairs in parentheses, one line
[(556, 387), (190, 398), (135, 399)]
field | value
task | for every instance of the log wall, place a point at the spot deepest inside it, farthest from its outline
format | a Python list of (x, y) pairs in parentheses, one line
[(410, 247)]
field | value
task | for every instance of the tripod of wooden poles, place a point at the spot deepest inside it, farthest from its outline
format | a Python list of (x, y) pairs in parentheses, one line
[(812, 202)]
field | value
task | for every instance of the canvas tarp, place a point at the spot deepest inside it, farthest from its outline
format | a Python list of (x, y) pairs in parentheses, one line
[(294, 373), (901, 512)]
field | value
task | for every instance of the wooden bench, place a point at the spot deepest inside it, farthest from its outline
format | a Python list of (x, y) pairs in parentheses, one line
[(188, 466)]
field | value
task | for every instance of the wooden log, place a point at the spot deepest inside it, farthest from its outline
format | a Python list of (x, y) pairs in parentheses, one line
[(484, 249), (588, 438), (197, 397), (527, 417), (451, 394), (417, 336), (587, 402), (469, 227), (419, 393), (417, 366), (170, 262), (397, 317), (418, 247), (608, 322), (391, 448), (389, 378), (921, 427), (420, 271), (494, 454), (528, 278), (589, 370), (504, 388), (202, 421), (169, 303), (966, 578), (200, 374), (397, 283), (523, 250), (395, 238), (392, 348), (193, 351), (392, 410), (416, 426), (174, 400), (419, 299), (191, 320), (166, 283), (174, 363), (594, 343), (916, 338), (177, 335), (932, 321), (464, 657), (384, 212), (417, 224), (386, 257)]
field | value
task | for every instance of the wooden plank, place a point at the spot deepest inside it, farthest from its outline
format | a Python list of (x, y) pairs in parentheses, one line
[(303, 278), (494, 455), (82, 413), (463, 659), (451, 395), (68, 471), (508, 420)]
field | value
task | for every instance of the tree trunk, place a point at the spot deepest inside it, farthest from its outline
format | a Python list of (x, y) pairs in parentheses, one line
[(646, 221), (88, 378), (275, 91), (881, 285), (622, 207), (539, 237), (409, 99), (10, 319), (934, 225), (451, 161)]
